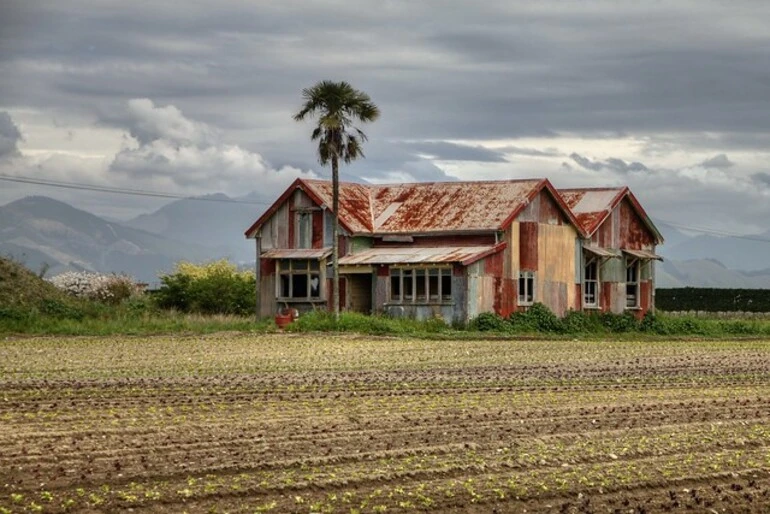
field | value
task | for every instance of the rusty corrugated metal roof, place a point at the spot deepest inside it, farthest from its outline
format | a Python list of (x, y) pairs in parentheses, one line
[(297, 253), (591, 206), (415, 255), (428, 206)]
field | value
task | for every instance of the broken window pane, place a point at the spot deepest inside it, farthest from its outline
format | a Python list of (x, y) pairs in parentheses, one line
[(395, 285), (420, 283)]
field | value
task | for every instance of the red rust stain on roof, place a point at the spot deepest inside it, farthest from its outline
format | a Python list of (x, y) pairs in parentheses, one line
[(591, 206), (428, 207)]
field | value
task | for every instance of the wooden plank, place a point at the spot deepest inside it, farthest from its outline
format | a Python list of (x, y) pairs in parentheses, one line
[(528, 249)]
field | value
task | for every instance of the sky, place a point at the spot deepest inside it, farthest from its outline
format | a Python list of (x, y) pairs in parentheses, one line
[(671, 98)]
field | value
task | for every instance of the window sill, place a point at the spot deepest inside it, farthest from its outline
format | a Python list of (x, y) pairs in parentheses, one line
[(529, 304), (637, 308), (419, 304), (301, 300), (591, 307)]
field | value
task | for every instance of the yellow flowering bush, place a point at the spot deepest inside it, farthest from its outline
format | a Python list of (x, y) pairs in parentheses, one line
[(216, 287)]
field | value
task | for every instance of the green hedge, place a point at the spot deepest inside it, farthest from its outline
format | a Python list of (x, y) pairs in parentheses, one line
[(712, 300)]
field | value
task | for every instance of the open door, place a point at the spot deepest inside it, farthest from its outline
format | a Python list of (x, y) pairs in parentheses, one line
[(360, 291)]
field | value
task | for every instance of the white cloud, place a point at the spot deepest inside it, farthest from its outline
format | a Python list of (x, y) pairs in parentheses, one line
[(149, 123)]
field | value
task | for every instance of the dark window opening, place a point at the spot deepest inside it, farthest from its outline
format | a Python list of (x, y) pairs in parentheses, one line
[(299, 279)]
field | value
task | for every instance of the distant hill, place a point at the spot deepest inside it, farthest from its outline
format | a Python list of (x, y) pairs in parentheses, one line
[(708, 273), (215, 221), (20, 288), (746, 254), (39, 231)]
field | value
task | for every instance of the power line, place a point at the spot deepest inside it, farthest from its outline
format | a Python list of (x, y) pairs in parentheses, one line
[(121, 191), (717, 232), (157, 194)]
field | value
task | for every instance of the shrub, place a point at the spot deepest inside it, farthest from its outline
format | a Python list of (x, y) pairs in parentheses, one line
[(578, 322), (489, 322), (625, 322), (214, 288), (543, 319), (110, 288)]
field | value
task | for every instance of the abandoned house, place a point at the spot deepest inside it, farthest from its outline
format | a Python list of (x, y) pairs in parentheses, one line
[(455, 249)]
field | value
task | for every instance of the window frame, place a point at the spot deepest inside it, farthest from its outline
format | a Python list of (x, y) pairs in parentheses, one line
[(529, 278), (592, 261), (304, 218), (309, 269), (633, 264), (419, 294)]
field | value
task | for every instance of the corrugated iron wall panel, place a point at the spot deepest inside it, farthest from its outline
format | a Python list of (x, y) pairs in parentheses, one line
[(633, 233), (556, 275), (550, 213), (528, 248), (318, 229)]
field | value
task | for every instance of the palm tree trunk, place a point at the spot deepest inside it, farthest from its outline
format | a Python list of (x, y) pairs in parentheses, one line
[(336, 238)]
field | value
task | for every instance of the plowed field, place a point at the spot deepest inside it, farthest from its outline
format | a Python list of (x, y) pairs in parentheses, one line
[(241, 423)]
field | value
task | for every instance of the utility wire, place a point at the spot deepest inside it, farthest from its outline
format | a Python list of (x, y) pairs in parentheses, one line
[(121, 191), (157, 194)]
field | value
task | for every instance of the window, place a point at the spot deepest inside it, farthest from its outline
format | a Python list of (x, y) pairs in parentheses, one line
[(299, 279), (632, 283), (304, 229), (420, 285), (591, 284), (526, 287)]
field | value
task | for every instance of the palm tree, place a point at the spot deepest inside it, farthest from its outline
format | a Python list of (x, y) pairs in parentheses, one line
[(337, 105)]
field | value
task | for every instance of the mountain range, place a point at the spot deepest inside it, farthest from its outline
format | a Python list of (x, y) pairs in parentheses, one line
[(52, 236)]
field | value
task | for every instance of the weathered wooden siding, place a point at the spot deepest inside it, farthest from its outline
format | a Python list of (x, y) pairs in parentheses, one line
[(543, 209), (318, 229), (633, 233), (275, 232), (554, 283), (528, 245)]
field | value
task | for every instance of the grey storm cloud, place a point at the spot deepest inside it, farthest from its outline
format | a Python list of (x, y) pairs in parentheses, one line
[(718, 161), (612, 164), (762, 178), (530, 152), (10, 135), (436, 70), (444, 150)]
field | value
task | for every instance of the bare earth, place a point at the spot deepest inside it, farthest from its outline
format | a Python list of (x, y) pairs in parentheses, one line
[(310, 423)]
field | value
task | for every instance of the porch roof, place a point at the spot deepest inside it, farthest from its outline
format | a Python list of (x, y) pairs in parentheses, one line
[(421, 255), (600, 252), (643, 254), (296, 253)]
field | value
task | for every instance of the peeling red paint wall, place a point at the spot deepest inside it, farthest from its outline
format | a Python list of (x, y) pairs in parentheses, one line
[(633, 233), (318, 229), (550, 212), (266, 267), (528, 245), (645, 298)]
